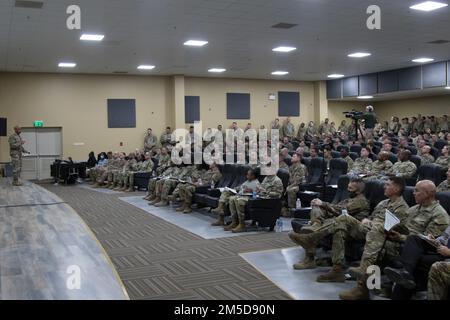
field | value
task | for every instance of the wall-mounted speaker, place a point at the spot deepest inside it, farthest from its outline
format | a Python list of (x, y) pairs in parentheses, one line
[(3, 129)]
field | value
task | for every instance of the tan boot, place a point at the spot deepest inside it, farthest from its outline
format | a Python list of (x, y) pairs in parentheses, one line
[(240, 228), (162, 203), (360, 292), (308, 263), (17, 183), (356, 272), (220, 209), (155, 200), (124, 187), (336, 274), (187, 209), (231, 226), (220, 222), (180, 208), (307, 241), (311, 228)]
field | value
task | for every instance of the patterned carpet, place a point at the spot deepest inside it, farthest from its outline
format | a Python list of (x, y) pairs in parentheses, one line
[(158, 260)]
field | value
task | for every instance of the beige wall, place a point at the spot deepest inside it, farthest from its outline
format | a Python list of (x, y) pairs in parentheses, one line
[(212, 94), (77, 103), (336, 109), (437, 106)]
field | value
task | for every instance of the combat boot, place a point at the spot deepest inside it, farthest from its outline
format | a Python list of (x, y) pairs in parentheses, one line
[(151, 197), (162, 203), (356, 272), (336, 274), (231, 226), (360, 292), (112, 186), (220, 209), (124, 187), (180, 208), (155, 201), (17, 183), (240, 228), (308, 263), (307, 241), (96, 185), (187, 208), (220, 222), (311, 228)]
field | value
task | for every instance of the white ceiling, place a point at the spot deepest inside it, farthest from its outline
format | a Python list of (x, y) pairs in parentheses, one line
[(239, 34)]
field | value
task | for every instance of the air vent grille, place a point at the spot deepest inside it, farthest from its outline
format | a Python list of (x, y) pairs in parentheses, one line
[(284, 25), (29, 4)]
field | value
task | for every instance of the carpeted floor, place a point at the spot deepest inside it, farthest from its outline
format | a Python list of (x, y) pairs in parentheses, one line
[(158, 260)]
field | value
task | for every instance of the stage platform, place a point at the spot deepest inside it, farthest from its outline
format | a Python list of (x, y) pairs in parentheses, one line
[(48, 252)]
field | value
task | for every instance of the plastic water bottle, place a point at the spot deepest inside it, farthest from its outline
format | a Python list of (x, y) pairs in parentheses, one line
[(279, 226), (200, 181), (254, 194), (212, 184), (344, 212), (298, 204)]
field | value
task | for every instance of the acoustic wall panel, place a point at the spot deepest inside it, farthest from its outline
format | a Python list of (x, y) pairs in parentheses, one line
[(121, 113), (334, 89), (3, 129), (288, 104), (410, 78), (434, 74), (191, 109), (350, 87), (388, 81), (368, 84), (238, 105)]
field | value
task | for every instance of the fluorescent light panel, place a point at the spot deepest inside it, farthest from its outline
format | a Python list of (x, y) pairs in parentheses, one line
[(422, 60), (280, 73), (284, 49), (92, 37), (359, 55), (428, 6), (448, 88), (195, 43), (335, 76), (365, 97), (217, 70), (67, 65), (145, 67)]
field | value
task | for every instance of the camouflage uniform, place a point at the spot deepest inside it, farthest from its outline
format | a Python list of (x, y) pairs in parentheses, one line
[(405, 169), (187, 191), (380, 169), (287, 130), (426, 159), (226, 195), (165, 141), (444, 186), (170, 184), (103, 176), (301, 133), (271, 187), (443, 161), (150, 142), (362, 166), (141, 167), (118, 165), (349, 163), (324, 128), (439, 281), (152, 183), (297, 176), (127, 177), (283, 165), (164, 162), (15, 151)]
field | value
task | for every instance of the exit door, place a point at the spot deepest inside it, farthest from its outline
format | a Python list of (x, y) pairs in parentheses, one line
[(45, 146)]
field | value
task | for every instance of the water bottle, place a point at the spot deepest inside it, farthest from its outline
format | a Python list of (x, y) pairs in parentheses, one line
[(298, 204), (279, 225), (200, 181), (212, 184), (344, 212), (254, 195)]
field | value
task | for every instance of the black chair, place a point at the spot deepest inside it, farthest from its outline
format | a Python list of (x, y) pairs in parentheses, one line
[(316, 172), (435, 152), (440, 144), (374, 192), (373, 157), (408, 195), (432, 172), (353, 155), (393, 158), (335, 154), (444, 200), (141, 180)]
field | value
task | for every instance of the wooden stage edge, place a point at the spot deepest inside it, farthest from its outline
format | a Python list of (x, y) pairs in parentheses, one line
[(47, 252)]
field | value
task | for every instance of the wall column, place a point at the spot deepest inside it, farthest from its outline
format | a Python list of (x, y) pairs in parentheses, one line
[(320, 101), (178, 99)]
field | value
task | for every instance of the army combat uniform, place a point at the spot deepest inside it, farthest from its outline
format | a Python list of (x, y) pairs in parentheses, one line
[(380, 169), (444, 186), (405, 169), (271, 187), (421, 219), (15, 151), (361, 166), (297, 176), (426, 159), (171, 183), (150, 142), (141, 167), (187, 191), (152, 194), (443, 161), (350, 163), (439, 281)]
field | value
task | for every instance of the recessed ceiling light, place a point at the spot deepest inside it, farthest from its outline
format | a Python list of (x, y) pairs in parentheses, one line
[(195, 43), (92, 37), (359, 55), (284, 49), (428, 6), (365, 97), (335, 76), (217, 70), (145, 67), (280, 73), (67, 65), (422, 60)]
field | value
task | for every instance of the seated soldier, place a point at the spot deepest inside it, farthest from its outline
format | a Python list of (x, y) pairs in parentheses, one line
[(141, 167), (112, 176), (418, 255), (346, 157), (445, 185), (171, 183), (187, 190), (271, 187), (323, 215), (195, 176), (444, 159), (404, 167), (346, 227), (297, 176), (152, 189), (425, 155), (427, 217), (439, 281), (381, 167), (249, 186), (99, 167), (363, 164), (113, 164), (132, 167), (119, 176)]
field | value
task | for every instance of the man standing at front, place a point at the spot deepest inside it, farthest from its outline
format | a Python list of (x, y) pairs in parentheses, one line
[(15, 150)]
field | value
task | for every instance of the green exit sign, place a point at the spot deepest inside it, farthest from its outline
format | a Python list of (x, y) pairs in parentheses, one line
[(38, 124)]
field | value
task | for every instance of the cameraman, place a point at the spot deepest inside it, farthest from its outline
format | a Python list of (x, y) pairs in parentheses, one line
[(370, 120)]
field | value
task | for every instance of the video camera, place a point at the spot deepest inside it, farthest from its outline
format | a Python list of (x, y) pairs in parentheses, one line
[(355, 115)]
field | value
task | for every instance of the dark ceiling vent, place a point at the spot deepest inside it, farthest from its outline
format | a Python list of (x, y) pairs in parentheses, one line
[(438, 42), (29, 4), (284, 25)]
